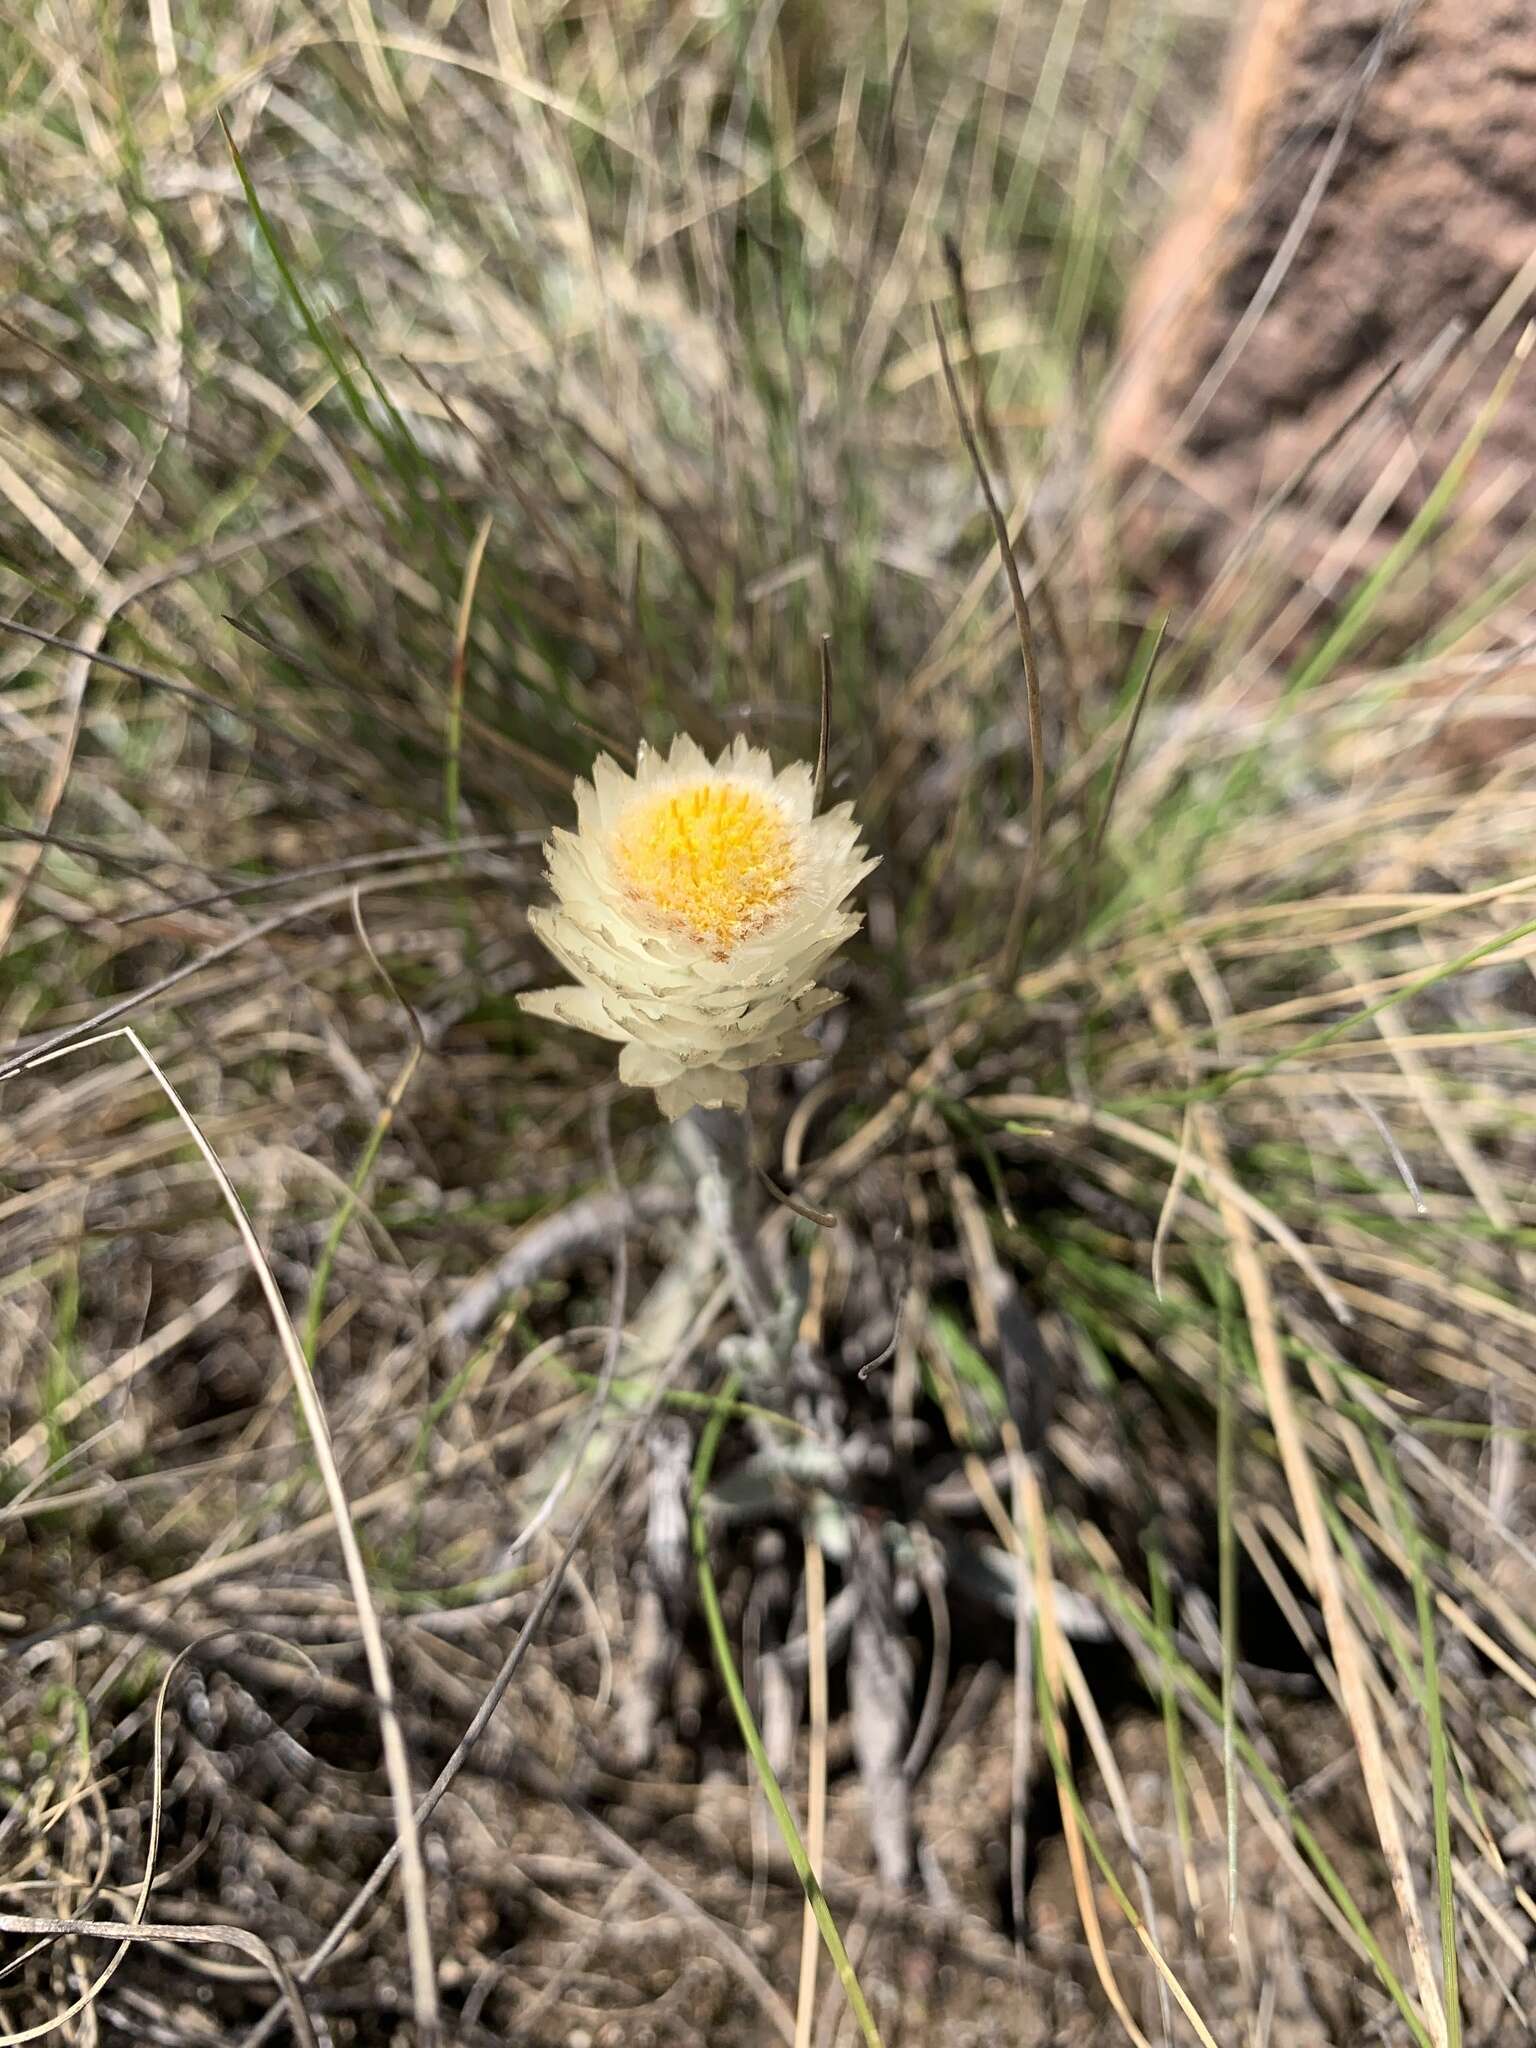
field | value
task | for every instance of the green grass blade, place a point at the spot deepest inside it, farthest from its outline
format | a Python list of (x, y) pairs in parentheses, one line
[(1116, 1596), (714, 1621)]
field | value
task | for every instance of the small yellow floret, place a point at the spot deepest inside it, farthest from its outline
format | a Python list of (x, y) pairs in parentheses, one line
[(714, 861)]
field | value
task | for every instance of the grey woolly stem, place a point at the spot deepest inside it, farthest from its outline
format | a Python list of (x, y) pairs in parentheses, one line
[(661, 1610), (567, 1235), (715, 1145), (879, 1697)]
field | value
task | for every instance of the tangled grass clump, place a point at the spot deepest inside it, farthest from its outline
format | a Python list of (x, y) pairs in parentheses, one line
[(1091, 1396)]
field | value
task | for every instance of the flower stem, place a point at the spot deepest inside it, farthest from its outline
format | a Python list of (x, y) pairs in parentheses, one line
[(716, 1148)]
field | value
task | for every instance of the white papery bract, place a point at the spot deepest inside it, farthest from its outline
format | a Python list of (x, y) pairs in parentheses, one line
[(697, 901)]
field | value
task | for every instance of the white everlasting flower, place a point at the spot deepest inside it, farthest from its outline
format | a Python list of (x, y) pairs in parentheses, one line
[(697, 902)]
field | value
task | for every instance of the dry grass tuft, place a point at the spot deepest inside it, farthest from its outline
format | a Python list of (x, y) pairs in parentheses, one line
[(397, 407)]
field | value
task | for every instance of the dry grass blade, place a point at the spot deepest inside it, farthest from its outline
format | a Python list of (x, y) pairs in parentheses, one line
[(496, 1692), (1438, 1114), (456, 679), (89, 1031), (1395, 1152), (47, 1929), (174, 1932), (613, 1845), (1343, 1641), (1020, 1534), (1024, 1699), (1216, 1176), (86, 651), (120, 1373), (654, 298), (618, 1308), (709, 1600), (67, 844), (345, 864), (1052, 1692), (1167, 1215), (397, 1764), (382, 1125), (58, 780), (824, 1219)]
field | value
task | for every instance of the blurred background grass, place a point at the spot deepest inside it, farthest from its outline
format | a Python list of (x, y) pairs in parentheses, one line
[(398, 406)]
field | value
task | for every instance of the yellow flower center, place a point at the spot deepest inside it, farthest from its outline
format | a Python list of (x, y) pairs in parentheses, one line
[(713, 861)]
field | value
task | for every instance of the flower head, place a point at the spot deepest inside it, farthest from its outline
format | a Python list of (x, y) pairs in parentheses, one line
[(697, 901)]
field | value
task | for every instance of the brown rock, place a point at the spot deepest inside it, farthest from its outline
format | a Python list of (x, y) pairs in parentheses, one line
[(1365, 197)]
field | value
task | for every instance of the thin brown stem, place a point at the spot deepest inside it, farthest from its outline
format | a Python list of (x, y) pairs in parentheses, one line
[(1023, 902)]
